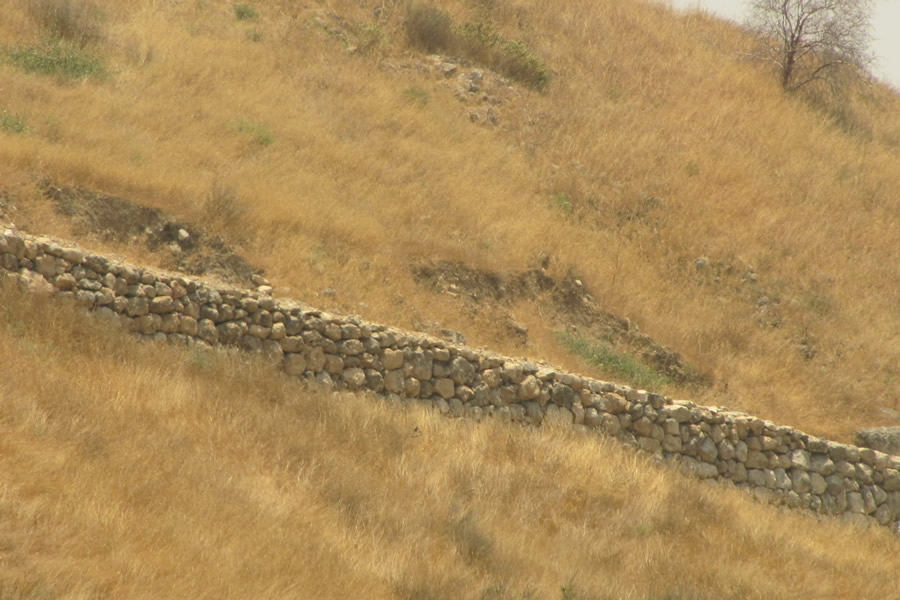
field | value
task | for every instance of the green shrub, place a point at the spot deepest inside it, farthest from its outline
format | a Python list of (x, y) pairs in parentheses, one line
[(58, 59), (11, 123), (430, 28), (66, 20), (245, 12)]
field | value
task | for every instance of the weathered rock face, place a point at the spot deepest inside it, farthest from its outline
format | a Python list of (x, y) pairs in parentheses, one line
[(781, 464), (885, 439)]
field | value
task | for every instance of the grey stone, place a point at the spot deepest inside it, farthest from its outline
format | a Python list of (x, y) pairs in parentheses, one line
[(562, 394), (393, 381), (643, 427), (800, 459), (162, 304), (801, 481), (228, 333), (530, 388), (294, 364), (782, 481), (492, 377), (355, 378), (741, 452), (315, 360), (817, 483), (412, 386), (351, 347), (534, 413), (679, 413), (611, 403), (206, 331), (334, 364), (891, 480), (672, 443), (726, 450), (137, 307), (884, 514), (393, 359), (821, 463), (884, 439), (421, 365), (757, 460), (611, 424), (445, 388), (650, 445), (513, 372), (462, 371)]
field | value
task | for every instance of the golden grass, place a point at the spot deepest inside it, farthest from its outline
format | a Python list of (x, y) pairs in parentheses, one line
[(134, 470), (358, 182)]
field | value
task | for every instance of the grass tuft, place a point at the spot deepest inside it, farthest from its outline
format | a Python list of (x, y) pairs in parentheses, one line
[(260, 132), (12, 123), (416, 95), (245, 12)]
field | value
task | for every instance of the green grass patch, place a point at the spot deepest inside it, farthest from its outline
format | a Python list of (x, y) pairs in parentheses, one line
[(58, 59), (245, 12), (562, 202), (260, 132), (416, 95), (618, 364), (12, 123), (433, 30)]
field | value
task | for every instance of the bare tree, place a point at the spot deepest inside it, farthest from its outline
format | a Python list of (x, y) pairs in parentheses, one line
[(813, 40)]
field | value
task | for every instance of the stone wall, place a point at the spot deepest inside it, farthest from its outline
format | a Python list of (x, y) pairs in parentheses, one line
[(776, 463)]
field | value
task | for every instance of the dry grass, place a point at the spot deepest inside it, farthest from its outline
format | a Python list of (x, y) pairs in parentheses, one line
[(355, 182), (140, 471)]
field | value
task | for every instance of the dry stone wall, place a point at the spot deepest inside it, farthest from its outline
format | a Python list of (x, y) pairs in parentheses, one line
[(779, 464)]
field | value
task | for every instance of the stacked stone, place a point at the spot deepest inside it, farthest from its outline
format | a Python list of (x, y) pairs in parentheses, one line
[(779, 463)]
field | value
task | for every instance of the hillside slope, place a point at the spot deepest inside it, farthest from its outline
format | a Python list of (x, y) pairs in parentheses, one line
[(134, 470), (753, 233)]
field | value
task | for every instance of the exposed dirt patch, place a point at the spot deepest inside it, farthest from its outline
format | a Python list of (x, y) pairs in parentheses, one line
[(567, 302), (191, 248)]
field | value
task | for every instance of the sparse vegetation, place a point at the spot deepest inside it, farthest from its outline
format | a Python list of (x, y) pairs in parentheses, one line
[(433, 29), (59, 59), (621, 366), (259, 132), (69, 20), (245, 12), (416, 95), (11, 122), (562, 202)]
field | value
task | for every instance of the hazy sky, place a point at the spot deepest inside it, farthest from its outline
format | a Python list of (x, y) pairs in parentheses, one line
[(886, 22)]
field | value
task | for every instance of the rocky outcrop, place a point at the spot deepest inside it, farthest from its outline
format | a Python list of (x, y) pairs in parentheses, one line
[(778, 463)]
